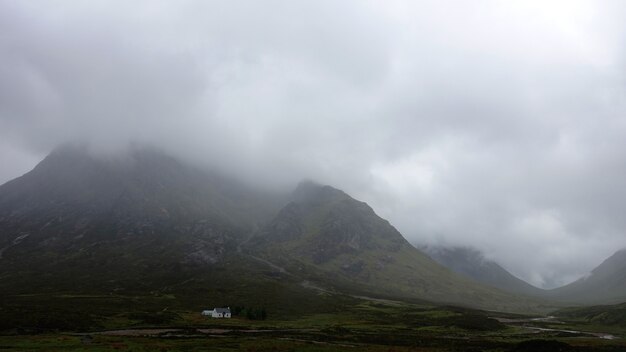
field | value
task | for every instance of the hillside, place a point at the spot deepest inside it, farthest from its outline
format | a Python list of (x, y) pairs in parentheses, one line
[(471, 263), (326, 236), (606, 284)]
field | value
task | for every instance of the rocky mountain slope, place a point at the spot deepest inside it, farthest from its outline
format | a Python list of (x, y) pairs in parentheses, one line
[(326, 236), (116, 223)]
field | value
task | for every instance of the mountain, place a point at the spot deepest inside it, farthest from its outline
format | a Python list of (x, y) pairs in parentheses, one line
[(73, 199), (326, 236), (606, 284), (138, 222), (472, 263), (85, 238)]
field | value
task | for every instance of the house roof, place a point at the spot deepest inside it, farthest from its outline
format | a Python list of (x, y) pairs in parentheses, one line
[(222, 310)]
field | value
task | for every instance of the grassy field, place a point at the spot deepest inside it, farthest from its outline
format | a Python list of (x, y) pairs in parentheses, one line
[(354, 325)]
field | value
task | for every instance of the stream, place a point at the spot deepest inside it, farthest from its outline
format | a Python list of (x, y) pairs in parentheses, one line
[(524, 323), (599, 335)]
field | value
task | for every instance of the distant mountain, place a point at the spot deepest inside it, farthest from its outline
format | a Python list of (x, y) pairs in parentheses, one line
[(472, 263), (605, 284), (326, 236)]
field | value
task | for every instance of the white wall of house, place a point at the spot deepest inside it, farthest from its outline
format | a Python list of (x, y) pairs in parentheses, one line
[(214, 314)]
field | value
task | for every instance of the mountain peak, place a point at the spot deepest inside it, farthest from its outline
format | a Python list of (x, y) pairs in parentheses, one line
[(127, 192), (74, 158), (323, 223), (311, 192)]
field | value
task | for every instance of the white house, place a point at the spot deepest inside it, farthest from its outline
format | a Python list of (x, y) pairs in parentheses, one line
[(217, 312)]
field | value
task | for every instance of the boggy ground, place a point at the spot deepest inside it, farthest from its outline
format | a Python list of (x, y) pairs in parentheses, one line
[(362, 325)]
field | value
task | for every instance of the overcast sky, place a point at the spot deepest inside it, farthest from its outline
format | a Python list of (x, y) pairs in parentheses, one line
[(496, 124)]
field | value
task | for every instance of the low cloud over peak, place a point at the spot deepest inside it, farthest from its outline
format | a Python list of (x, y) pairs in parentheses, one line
[(497, 125)]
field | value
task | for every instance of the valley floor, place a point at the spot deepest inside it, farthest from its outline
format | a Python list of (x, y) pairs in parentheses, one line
[(363, 325)]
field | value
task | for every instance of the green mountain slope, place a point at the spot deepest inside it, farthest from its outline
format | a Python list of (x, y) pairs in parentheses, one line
[(328, 237), (606, 284)]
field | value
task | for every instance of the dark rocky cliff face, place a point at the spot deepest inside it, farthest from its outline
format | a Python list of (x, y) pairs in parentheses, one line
[(73, 204)]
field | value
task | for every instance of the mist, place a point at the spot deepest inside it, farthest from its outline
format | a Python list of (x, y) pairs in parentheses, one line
[(497, 125)]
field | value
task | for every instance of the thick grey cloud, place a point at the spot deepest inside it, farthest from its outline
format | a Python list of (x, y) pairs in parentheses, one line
[(495, 124)]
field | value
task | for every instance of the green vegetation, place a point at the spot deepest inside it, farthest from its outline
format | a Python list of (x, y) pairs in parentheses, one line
[(606, 315), (359, 325), (249, 312), (262, 295)]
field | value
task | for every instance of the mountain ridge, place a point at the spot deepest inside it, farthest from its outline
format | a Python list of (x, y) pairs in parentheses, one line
[(328, 235), (606, 284), (471, 263)]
